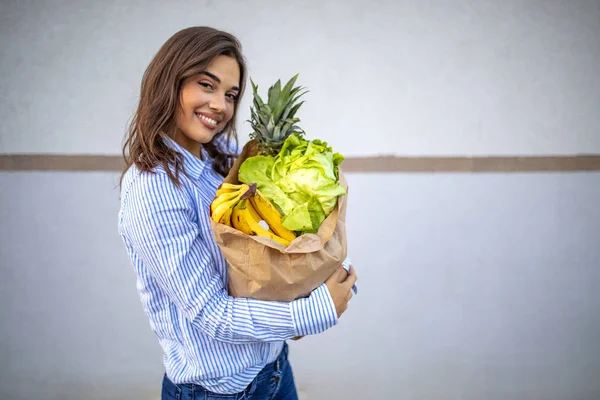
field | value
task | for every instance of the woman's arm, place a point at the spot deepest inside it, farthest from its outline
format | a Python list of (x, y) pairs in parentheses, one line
[(158, 222)]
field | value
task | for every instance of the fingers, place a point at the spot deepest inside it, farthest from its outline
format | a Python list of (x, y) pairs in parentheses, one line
[(342, 274), (351, 278), (338, 275), (340, 287)]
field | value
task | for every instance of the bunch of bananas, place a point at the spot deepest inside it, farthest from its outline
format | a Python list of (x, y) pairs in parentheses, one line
[(246, 209)]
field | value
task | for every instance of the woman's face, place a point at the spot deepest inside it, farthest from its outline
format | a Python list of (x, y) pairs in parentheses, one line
[(207, 103)]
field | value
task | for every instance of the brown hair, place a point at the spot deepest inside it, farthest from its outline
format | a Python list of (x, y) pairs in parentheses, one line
[(187, 53)]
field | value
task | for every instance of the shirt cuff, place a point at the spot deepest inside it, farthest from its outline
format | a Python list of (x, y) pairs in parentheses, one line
[(346, 264), (314, 314)]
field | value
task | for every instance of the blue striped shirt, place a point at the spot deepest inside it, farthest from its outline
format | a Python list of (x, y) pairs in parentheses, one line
[(208, 337)]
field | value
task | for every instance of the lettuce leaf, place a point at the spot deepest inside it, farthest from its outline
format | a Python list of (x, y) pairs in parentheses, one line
[(302, 180)]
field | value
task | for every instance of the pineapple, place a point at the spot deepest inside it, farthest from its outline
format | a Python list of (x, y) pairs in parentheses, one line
[(274, 120)]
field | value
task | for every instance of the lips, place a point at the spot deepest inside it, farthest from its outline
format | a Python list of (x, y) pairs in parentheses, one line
[(216, 118), (208, 120)]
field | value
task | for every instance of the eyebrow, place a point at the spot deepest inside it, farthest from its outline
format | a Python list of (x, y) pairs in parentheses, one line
[(216, 78)]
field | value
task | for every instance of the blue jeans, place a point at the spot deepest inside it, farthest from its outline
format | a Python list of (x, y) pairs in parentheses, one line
[(274, 382)]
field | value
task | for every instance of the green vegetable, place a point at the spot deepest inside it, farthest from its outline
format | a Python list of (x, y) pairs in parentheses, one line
[(301, 180)]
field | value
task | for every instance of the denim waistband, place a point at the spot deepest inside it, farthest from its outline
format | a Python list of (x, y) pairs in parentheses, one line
[(270, 368)]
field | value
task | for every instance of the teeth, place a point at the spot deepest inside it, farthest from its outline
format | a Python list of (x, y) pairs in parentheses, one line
[(212, 121)]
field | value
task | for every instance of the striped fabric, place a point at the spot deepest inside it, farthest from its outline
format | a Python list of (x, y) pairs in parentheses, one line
[(208, 338)]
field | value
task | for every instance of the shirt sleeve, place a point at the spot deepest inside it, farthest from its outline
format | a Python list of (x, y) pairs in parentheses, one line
[(159, 225)]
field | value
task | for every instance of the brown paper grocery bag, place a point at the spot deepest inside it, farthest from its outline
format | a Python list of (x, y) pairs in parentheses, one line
[(261, 268)]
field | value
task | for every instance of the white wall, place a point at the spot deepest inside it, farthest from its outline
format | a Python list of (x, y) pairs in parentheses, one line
[(472, 286), (413, 78)]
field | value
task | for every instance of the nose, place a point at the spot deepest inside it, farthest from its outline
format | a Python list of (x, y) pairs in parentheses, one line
[(217, 104)]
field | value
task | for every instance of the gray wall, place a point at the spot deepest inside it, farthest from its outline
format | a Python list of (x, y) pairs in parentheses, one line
[(436, 77), (471, 286)]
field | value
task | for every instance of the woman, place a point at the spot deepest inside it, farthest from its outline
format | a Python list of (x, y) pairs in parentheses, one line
[(178, 151)]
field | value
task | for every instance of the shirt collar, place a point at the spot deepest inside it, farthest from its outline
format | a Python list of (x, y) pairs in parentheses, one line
[(193, 165)]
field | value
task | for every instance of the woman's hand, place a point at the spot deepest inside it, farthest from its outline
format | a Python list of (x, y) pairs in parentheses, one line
[(339, 285), (340, 288)]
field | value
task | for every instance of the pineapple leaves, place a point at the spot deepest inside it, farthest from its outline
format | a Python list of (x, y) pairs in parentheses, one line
[(264, 115), (257, 100), (288, 99), (274, 121), (291, 112), (273, 93), (277, 132), (288, 86)]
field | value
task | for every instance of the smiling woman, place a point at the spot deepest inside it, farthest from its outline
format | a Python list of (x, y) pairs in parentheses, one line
[(178, 151), (207, 103), (198, 72)]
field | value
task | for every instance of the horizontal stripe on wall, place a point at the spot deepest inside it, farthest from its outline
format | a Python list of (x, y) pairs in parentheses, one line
[(51, 162)]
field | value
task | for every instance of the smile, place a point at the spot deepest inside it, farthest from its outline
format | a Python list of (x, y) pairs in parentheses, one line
[(209, 120)]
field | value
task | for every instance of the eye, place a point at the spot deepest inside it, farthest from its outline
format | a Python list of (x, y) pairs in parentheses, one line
[(207, 85), (232, 96)]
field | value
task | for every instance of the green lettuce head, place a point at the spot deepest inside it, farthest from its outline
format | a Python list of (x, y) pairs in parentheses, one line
[(302, 180)]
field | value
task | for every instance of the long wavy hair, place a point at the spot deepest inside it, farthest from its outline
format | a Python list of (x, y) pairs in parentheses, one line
[(187, 53)]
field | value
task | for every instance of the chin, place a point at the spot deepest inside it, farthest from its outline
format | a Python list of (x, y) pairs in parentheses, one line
[(203, 138)]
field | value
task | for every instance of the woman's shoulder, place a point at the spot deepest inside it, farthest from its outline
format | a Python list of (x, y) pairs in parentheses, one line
[(136, 176), (153, 183)]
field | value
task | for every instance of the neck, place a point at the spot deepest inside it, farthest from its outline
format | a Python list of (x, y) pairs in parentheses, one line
[(187, 143)]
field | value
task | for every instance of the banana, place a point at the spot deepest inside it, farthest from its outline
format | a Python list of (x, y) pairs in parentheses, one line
[(234, 186), (220, 212), (221, 206), (253, 212), (226, 217), (257, 217), (222, 191), (242, 219), (271, 215), (238, 218), (228, 188), (223, 198)]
